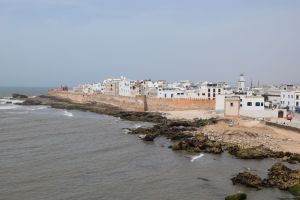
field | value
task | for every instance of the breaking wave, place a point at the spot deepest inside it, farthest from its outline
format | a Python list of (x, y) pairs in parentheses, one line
[(68, 114)]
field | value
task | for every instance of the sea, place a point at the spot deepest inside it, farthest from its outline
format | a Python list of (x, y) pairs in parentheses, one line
[(54, 154)]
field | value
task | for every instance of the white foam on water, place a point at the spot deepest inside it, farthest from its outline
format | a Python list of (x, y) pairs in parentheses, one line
[(39, 108), (68, 114), (8, 107), (197, 157), (137, 126)]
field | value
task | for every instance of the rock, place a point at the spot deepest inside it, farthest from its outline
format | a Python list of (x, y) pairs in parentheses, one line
[(32, 102), (258, 152), (294, 158), (295, 190), (238, 196), (248, 179), (282, 177), (180, 145), (19, 96)]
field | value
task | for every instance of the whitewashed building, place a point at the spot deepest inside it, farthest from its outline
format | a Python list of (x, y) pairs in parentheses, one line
[(290, 99)]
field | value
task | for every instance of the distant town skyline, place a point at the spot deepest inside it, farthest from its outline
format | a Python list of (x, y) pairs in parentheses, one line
[(67, 42)]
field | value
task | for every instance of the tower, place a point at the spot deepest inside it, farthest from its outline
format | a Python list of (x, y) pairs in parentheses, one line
[(241, 83)]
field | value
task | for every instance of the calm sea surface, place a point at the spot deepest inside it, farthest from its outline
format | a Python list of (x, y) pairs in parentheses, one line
[(55, 154)]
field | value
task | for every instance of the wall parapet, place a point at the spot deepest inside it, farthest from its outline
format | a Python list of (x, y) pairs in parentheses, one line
[(137, 103)]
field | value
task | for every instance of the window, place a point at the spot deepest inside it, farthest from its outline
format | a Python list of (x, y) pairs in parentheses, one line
[(208, 90), (231, 104), (297, 103), (214, 90), (208, 94), (262, 104), (292, 96), (257, 104), (219, 90), (297, 97), (214, 95), (203, 94), (249, 103), (172, 95)]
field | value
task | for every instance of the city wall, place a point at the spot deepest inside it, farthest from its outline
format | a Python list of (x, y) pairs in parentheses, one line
[(138, 103)]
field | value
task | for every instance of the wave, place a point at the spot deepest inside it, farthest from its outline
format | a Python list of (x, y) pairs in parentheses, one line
[(197, 157), (137, 125), (8, 107), (39, 108), (68, 114), (9, 101)]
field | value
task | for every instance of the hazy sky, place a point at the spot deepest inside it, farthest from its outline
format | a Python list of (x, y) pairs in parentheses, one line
[(54, 42)]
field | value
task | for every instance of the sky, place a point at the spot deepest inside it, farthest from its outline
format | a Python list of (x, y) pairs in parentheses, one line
[(67, 42)]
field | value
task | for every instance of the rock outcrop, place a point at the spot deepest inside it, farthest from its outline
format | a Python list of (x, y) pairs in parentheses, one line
[(248, 179), (19, 96), (238, 196), (279, 176)]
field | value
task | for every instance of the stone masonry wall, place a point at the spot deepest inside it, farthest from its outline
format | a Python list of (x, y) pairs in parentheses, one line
[(138, 103)]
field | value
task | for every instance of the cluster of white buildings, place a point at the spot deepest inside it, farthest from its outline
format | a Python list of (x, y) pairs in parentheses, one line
[(237, 100), (156, 89)]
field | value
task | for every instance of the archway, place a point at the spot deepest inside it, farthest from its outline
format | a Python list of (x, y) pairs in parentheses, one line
[(280, 114)]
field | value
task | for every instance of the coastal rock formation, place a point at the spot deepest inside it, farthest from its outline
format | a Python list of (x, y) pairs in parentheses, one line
[(279, 176), (282, 177), (248, 179), (258, 152), (238, 196), (19, 96)]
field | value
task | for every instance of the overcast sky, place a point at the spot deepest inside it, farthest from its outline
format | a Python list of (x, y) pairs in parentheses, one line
[(54, 42)]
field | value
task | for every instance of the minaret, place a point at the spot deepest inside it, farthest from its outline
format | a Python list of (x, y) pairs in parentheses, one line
[(241, 83)]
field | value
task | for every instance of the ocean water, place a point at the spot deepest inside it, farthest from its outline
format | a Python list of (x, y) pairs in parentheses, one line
[(55, 154), (30, 91)]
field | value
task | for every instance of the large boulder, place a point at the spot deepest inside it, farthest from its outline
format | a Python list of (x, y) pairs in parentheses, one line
[(258, 152), (248, 179), (282, 177), (19, 96), (238, 196)]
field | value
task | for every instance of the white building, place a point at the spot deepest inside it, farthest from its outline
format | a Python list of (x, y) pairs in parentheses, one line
[(171, 93), (247, 102), (124, 87), (94, 88), (290, 99)]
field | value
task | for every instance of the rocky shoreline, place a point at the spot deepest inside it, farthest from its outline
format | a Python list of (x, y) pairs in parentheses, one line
[(185, 136)]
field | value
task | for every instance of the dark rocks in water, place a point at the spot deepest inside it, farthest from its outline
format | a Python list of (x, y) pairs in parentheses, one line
[(32, 102), (248, 179), (238, 196), (295, 190), (258, 152), (198, 143), (282, 177), (19, 96), (180, 145), (294, 158), (279, 176)]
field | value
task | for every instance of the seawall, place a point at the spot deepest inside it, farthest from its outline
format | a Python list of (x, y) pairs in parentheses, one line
[(138, 103)]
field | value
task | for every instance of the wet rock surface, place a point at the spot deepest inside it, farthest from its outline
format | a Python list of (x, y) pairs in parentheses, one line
[(248, 179), (279, 176), (238, 196), (19, 96)]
